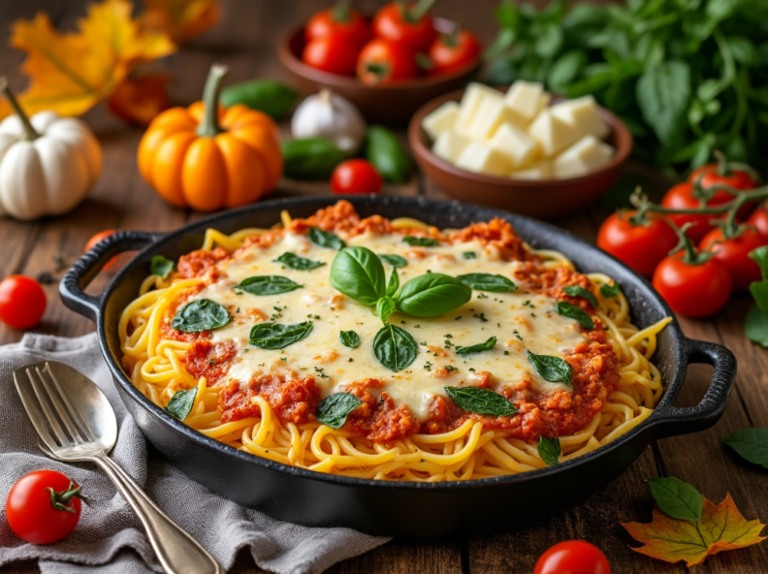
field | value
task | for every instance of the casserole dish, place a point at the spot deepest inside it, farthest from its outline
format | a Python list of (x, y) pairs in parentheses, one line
[(380, 507)]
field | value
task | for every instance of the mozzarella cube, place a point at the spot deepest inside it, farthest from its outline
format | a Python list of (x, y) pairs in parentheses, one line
[(583, 157), (490, 117), (517, 145), (443, 118), (482, 158), (539, 170), (525, 99), (474, 96), (582, 115), (552, 133), (449, 145)]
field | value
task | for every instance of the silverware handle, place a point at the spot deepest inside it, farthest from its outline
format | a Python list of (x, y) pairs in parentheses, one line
[(177, 551)]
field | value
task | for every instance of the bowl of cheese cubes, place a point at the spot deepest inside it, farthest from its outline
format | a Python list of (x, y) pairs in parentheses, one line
[(520, 149)]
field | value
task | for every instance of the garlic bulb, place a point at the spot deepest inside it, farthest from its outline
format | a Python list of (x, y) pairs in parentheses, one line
[(328, 115)]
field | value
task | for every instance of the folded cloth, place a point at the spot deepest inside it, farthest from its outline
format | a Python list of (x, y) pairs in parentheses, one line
[(109, 539)]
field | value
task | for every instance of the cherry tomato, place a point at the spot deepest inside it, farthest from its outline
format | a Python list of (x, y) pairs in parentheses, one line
[(681, 196), (341, 21), (355, 176), (452, 52), (693, 290), (573, 557), (708, 176), (332, 54), (43, 507), (22, 302), (759, 219), (733, 254), (96, 239), (639, 246), (399, 23), (381, 62)]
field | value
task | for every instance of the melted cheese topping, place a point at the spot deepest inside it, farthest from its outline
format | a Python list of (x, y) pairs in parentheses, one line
[(520, 321)]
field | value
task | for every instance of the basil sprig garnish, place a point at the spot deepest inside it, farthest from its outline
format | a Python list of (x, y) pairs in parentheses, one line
[(266, 285), (486, 346), (481, 401), (432, 294), (420, 241), (325, 238), (394, 347), (487, 282), (552, 369), (579, 291), (181, 403), (396, 261), (676, 498), (200, 315), (349, 339), (384, 308), (358, 273), (569, 310), (334, 409), (293, 261), (161, 266), (610, 291), (273, 336), (549, 450)]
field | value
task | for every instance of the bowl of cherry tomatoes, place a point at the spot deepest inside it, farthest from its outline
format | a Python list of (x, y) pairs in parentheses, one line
[(387, 65)]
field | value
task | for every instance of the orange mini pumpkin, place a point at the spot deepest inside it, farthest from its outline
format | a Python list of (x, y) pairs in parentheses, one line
[(208, 157)]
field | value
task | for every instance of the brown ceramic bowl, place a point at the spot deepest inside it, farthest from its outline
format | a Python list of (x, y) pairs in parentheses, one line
[(390, 104), (546, 199)]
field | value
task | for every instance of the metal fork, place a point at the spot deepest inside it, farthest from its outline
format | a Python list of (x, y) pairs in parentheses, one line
[(78, 424)]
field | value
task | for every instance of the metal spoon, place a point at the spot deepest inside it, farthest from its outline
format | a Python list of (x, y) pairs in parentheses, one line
[(77, 424)]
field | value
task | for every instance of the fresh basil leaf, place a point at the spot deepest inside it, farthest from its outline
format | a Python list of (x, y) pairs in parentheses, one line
[(481, 401), (394, 347), (395, 261), (759, 291), (751, 444), (552, 369), (349, 339), (610, 291), (358, 273), (549, 450), (334, 409), (293, 261), (200, 315), (469, 255), (760, 256), (487, 282), (568, 310), (756, 327), (161, 266), (663, 93), (486, 346), (273, 336), (385, 307), (578, 291), (432, 294), (421, 241), (325, 238), (394, 283), (676, 498), (266, 285), (181, 403)]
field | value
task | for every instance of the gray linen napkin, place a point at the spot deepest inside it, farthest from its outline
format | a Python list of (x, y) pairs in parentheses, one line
[(109, 539)]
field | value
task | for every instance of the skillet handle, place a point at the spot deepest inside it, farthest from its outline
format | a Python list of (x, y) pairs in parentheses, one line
[(72, 285), (681, 420)]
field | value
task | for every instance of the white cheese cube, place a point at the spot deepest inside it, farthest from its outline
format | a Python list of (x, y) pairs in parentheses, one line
[(441, 119), (583, 157), (518, 146), (474, 95), (449, 145), (539, 170), (489, 117), (582, 115), (482, 158), (552, 133), (524, 98)]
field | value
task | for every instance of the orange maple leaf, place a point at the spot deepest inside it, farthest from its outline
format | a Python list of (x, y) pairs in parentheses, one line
[(70, 73), (722, 527), (180, 19)]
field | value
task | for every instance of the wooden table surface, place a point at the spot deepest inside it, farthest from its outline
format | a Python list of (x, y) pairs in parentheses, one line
[(245, 41)]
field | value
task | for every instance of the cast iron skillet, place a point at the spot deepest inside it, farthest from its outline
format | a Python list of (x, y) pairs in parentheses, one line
[(395, 508)]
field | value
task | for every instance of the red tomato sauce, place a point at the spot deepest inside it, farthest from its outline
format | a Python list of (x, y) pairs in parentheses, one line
[(209, 360), (294, 400)]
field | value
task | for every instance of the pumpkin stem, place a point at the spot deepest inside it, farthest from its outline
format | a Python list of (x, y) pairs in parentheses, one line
[(210, 127), (29, 133)]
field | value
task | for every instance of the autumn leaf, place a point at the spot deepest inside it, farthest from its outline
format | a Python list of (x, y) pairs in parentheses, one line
[(722, 527), (140, 99), (70, 73), (180, 19)]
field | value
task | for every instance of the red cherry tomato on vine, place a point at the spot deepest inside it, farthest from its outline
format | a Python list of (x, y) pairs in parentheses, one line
[(452, 52), (693, 290), (573, 557), (759, 219), (96, 239), (639, 246), (22, 302), (401, 24), (708, 176), (342, 21), (332, 54), (734, 255), (355, 176), (681, 196), (43, 507), (381, 62)]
